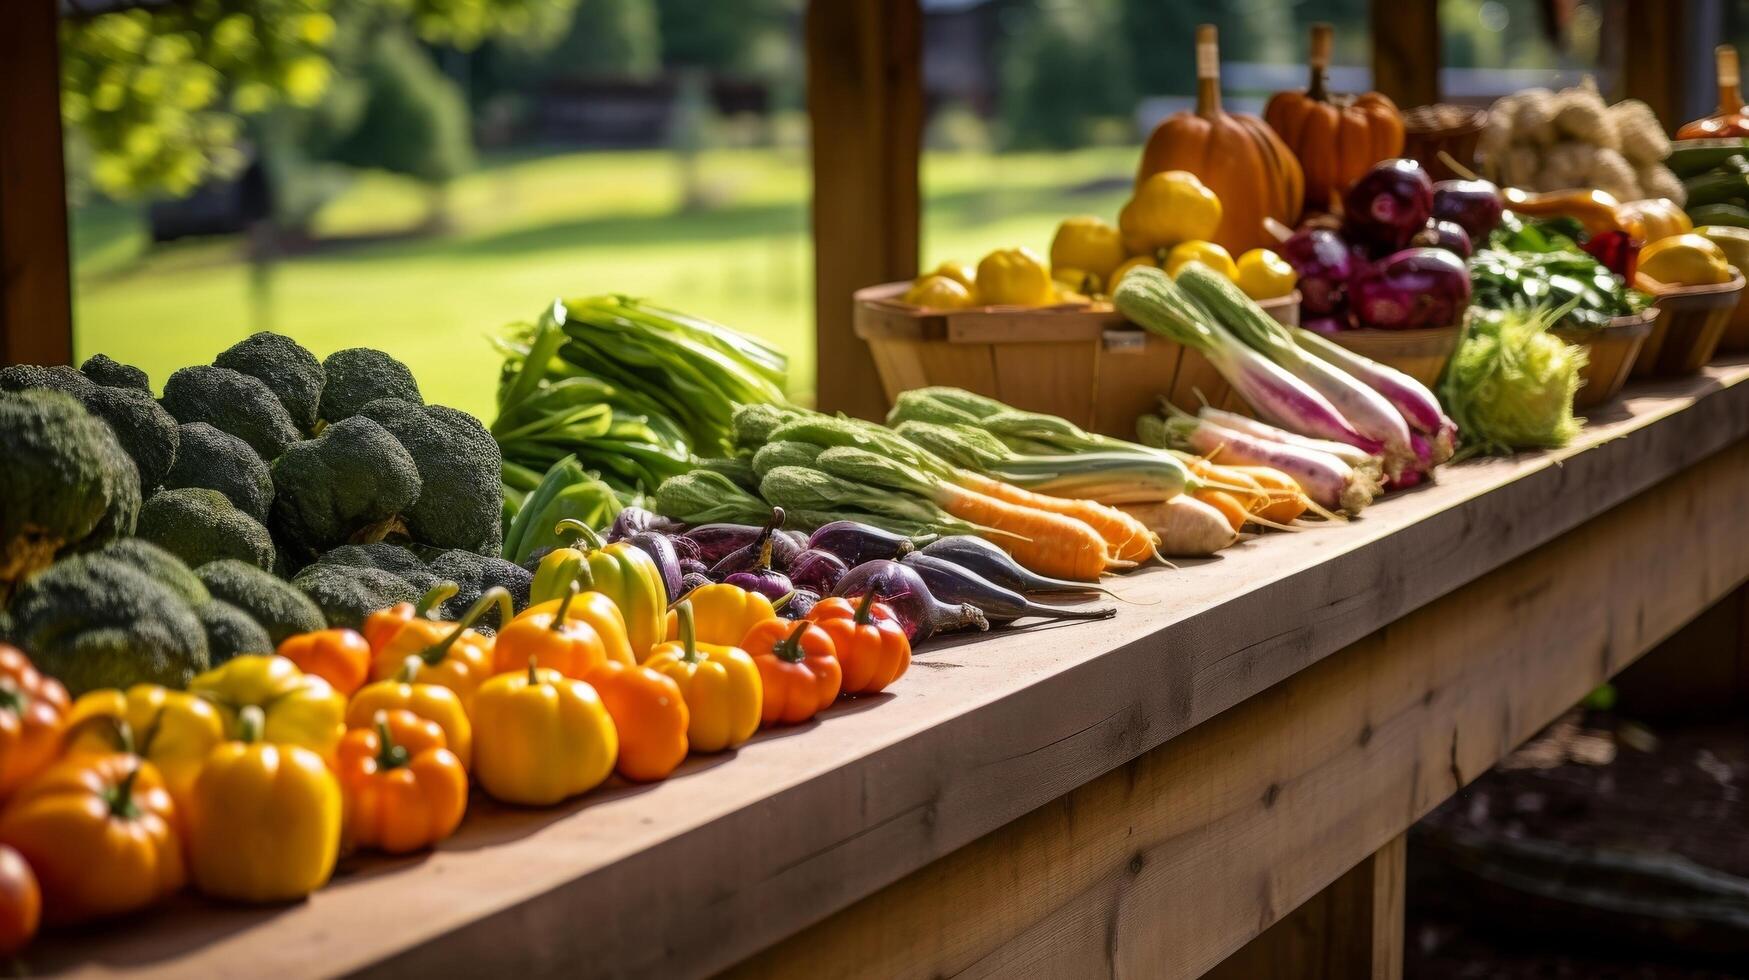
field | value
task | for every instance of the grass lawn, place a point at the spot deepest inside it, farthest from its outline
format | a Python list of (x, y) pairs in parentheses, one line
[(528, 230)]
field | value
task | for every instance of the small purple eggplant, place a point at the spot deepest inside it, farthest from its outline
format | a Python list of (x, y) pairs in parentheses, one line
[(714, 542), (691, 581), (817, 570), (799, 604), (632, 520), (773, 585), (855, 543), (902, 589), (661, 550)]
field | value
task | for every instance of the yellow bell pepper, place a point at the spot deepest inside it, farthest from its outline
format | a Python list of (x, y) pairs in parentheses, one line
[(619, 571), (722, 614), (433, 702), (938, 293), (173, 730), (1733, 241), (265, 826), (599, 613), (298, 708), (1208, 253), (1136, 262), (1169, 207), (541, 737), (1089, 246), (958, 271), (1014, 277), (1685, 260), (1658, 217), (450, 654), (1262, 274), (719, 682)]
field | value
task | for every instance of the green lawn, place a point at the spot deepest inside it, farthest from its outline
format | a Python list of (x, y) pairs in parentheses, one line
[(528, 230)]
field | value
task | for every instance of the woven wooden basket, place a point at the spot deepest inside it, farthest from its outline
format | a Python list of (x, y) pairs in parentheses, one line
[(1691, 321), (1610, 353), (1083, 362), (1420, 353)]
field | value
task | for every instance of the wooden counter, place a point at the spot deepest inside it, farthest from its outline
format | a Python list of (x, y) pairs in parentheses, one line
[(1146, 793)]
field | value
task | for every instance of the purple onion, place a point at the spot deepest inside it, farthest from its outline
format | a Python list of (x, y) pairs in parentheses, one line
[(1448, 235), (1328, 325), (818, 570), (1388, 205), (1417, 287), (1475, 205), (1324, 263)]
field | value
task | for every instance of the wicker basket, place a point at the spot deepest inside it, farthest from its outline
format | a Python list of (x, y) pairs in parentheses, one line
[(1085, 362), (1691, 321), (1736, 336), (1419, 353), (1455, 129), (1609, 355)]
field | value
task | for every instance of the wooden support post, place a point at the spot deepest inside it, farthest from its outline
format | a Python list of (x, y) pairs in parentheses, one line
[(1666, 54), (36, 306), (865, 103), (1351, 929), (1405, 50)]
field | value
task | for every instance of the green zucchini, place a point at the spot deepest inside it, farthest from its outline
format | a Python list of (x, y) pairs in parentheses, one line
[(1720, 214), (1716, 187), (1691, 158)]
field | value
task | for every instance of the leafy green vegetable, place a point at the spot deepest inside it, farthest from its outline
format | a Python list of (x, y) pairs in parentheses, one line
[(1540, 263), (567, 490), (1510, 383)]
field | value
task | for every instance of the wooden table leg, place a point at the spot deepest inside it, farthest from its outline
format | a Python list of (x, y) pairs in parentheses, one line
[(1353, 928)]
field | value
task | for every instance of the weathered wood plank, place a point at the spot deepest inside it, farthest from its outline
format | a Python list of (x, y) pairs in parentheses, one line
[(1406, 51), (1166, 866), (865, 111), (736, 852), (36, 311)]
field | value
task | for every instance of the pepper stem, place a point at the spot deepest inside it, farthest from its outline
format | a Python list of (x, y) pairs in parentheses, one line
[(791, 647), (251, 723), (533, 678), (583, 577), (688, 633), (409, 671), (389, 755), (496, 595), (119, 730), (435, 596), (564, 606), (862, 609), (571, 525), (121, 799)]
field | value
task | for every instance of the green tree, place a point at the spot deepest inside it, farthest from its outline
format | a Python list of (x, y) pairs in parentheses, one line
[(1061, 71), (413, 119), (720, 35), (609, 38)]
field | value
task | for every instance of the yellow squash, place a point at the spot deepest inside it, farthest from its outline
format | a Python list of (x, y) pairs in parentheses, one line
[(1262, 274), (1014, 277), (1087, 245), (541, 737), (1685, 260), (938, 293)]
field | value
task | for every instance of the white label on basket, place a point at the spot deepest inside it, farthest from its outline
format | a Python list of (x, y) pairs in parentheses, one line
[(1125, 341)]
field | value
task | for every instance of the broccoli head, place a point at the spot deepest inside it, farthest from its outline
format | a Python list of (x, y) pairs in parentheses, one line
[(234, 402), (473, 574), (200, 525), (358, 376), (461, 503), (96, 620), (285, 367), (347, 594), (215, 460), (230, 631), (111, 373), (159, 565), (65, 481), (146, 432), (54, 377), (350, 483), (275, 604)]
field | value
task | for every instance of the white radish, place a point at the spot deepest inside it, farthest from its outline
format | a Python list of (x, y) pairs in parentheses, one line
[(1188, 528)]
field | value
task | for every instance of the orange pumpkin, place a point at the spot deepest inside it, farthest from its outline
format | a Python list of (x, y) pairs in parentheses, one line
[(1238, 156), (1335, 137)]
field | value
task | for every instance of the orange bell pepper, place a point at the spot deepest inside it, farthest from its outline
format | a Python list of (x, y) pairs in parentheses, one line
[(550, 639), (433, 702), (33, 709), (101, 833), (651, 715), (599, 612), (339, 656), (402, 788), (798, 667), (385, 624), (21, 902), (450, 654), (871, 646)]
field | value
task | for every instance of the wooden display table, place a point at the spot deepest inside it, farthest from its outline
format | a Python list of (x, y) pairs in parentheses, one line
[(1141, 796)]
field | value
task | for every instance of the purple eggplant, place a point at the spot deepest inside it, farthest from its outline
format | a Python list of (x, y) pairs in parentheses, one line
[(714, 542), (771, 584), (903, 590), (817, 569), (692, 580), (953, 583), (632, 520), (761, 552), (692, 566), (977, 555), (750, 567), (661, 551), (856, 543), (684, 546), (799, 604)]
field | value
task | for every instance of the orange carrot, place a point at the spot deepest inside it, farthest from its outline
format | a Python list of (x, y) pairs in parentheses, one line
[(1286, 500), (1243, 488), (1047, 543), (1129, 539), (1227, 504)]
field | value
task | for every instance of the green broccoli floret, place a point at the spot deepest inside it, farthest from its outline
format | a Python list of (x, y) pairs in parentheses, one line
[(230, 631), (350, 483), (54, 377), (285, 367), (346, 594), (111, 373), (232, 401), (358, 376), (146, 432), (473, 574), (207, 457), (95, 620), (200, 525), (159, 565), (461, 504), (64, 482), (280, 608)]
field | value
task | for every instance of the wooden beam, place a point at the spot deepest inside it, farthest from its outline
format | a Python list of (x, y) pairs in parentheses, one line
[(865, 104), (1167, 865), (1405, 50), (36, 311)]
